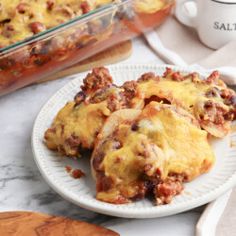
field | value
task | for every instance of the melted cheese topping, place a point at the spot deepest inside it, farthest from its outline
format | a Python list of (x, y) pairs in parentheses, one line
[(187, 94), (185, 146), (184, 93), (166, 142), (82, 123), (149, 6), (125, 166)]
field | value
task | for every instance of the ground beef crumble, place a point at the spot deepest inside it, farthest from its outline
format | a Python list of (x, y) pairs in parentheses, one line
[(146, 77), (165, 191), (99, 78), (213, 77)]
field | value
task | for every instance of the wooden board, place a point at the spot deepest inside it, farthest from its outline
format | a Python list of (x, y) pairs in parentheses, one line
[(37, 224), (112, 55)]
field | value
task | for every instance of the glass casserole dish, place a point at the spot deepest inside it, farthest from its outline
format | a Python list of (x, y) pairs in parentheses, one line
[(39, 55)]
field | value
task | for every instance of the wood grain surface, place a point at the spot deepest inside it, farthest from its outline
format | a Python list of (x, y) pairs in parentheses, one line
[(112, 55), (38, 224)]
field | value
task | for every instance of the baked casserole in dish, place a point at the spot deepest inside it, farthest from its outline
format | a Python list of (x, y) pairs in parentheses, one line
[(41, 37)]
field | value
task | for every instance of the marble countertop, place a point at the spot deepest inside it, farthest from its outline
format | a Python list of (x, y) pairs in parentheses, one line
[(23, 188)]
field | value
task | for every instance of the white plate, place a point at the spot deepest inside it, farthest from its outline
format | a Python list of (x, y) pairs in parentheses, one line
[(81, 192)]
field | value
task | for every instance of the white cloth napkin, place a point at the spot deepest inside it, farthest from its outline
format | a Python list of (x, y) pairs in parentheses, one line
[(185, 42), (227, 223)]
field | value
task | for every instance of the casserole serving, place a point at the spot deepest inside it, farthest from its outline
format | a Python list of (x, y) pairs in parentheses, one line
[(38, 38), (148, 136)]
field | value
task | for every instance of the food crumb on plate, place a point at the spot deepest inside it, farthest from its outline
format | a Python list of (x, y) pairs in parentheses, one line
[(75, 173)]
